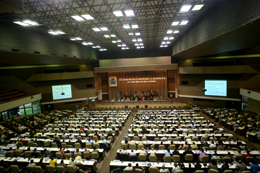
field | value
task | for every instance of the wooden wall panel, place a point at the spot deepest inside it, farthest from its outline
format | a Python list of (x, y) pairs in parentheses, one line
[(253, 105)]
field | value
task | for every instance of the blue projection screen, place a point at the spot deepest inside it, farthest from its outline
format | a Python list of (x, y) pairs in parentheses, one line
[(216, 88), (58, 89)]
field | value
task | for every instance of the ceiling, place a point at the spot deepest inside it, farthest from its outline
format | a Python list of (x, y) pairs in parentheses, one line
[(154, 18)]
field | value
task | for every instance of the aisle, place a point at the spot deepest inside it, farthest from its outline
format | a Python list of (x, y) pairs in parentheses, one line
[(103, 166)]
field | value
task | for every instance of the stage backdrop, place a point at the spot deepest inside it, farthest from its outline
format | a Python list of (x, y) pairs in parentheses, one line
[(138, 81)]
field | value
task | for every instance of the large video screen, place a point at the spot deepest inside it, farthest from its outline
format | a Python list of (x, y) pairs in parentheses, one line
[(61, 92), (216, 87)]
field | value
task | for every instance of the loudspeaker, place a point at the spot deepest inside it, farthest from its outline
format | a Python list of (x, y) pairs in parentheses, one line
[(126, 106), (146, 106), (137, 106)]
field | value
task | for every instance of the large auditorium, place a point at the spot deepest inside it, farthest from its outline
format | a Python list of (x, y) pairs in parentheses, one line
[(130, 86)]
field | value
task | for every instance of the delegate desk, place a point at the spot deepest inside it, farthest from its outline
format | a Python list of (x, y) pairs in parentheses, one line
[(186, 166)]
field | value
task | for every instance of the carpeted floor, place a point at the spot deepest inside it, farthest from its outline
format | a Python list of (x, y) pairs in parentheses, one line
[(103, 166)]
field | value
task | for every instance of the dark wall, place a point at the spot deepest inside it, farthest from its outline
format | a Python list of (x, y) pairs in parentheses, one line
[(27, 40), (225, 18)]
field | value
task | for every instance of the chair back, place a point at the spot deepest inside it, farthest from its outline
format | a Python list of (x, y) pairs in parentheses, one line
[(213, 171), (50, 168), (127, 171), (46, 144), (89, 145), (110, 138), (153, 170), (138, 171), (172, 147), (136, 138), (142, 157), (94, 155), (54, 145), (86, 154), (61, 169), (15, 168), (176, 158), (3, 170), (77, 145), (9, 154), (227, 159), (199, 171), (228, 171), (189, 157), (95, 138), (30, 168), (161, 147), (63, 145), (239, 156), (96, 145), (38, 169), (124, 146), (179, 171), (132, 146), (27, 154), (167, 158), (152, 158), (71, 169), (140, 146), (249, 159), (205, 158), (58, 155)]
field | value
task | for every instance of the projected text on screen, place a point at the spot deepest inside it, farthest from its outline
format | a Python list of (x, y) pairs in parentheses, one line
[(216, 87), (61, 92)]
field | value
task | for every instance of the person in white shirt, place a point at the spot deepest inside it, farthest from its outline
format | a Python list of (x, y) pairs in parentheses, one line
[(31, 163), (129, 167), (152, 152), (132, 153), (175, 168), (164, 170)]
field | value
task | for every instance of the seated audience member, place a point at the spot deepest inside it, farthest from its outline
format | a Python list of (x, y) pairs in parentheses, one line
[(247, 154), (36, 153), (175, 152), (132, 153), (53, 162), (254, 167), (4, 164), (229, 155), (220, 147), (124, 151), (46, 153), (164, 170), (42, 165), (3, 151), (95, 150), (201, 153), (138, 167), (97, 135), (197, 165), (176, 167), (31, 163), (188, 151), (213, 164), (74, 164), (143, 152), (57, 141), (61, 164), (241, 166), (224, 167), (152, 152), (110, 134), (129, 167), (167, 152), (61, 151)]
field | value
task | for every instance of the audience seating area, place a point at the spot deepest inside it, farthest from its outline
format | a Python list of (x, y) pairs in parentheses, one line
[(7, 95), (180, 141), (62, 139)]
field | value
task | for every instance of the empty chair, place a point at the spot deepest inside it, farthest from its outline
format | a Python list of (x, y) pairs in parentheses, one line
[(179, 171), (199, 171), (9, 154), (63, 145), (96, 145), (50, 168), (61, 169), (204, 138), (142, 157), (46, 144), (110, 138), (176, 158), (223, 139), (140, 146), (123, 146), (189, 157), (77, 145), (195, 139), (127, 171), (138, 171), (213, 171), (172, 147), (58, 155), (38, 169), (88, 145), (71, 169), (249, 159), (153, 170), (152, 158), (2, 169), (167, 158), (27, 154), (161, 147), (95, 138), (15, 168), (54, 145), (86, 154), (205, 158), (132, 146), (227, 159), (94, 155), (156, 139), (239, 156), (144, 139), (136, 138), (228, 171), (77, 154)]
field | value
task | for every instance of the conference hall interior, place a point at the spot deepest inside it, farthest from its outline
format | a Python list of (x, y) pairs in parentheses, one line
[(130, 86)]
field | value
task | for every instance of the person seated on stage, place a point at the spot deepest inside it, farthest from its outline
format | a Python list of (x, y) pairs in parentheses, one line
[(164, 170), (138, 167), (129, 167)]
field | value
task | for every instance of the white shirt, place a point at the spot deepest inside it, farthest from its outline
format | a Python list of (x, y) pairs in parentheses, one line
[(164, 170), (174, 169)]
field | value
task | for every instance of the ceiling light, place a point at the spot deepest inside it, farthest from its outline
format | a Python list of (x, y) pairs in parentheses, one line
[(87, 17), (163, 42), (139, 40), (130, 33), (114, 41), (137, 33), (127, 48), (141, 44), (184, 22), (73, 39), (118, 13), (171, 38), (161, 45), (78, 38), (165, 45), (138, 47), (77, 18), (104, 28), (84, 43), (112, 35), (97, 46), (21, 23), (126, 26), (166, 38), (129, 12), (57, 32), (169, 31), (119, 41), (134, 26), (197, 7), (102, 49), (142, 47), (123, 45), (94, 47), (185, 8), (136, 44), (123, 48), (107, 36), (119, 45), (134, 40), (30, 22), (175, 23), (89, 43), (96, 29), (168, 42), (176, 31)]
